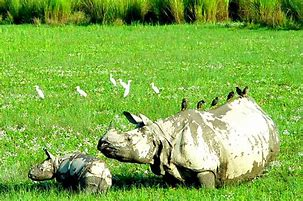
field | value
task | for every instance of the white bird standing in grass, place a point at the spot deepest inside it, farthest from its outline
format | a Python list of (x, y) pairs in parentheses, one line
[(127, 88), (123, 84), (81, 92), (156, 89), (40, 92), (112, 80)]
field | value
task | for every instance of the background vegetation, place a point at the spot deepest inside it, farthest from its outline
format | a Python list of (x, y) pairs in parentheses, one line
[(193, 61), (272, 13)]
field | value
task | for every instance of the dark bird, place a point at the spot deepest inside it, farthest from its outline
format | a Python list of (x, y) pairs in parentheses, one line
[(184, 104), (230, 95), (215, 102), (245, 91), (200, 104), (239, 91)]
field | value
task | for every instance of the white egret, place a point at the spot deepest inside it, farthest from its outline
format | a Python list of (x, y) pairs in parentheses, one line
[(112, 80), (123, 84), (127, 88), (40, 92), (156, 89), (81, 92)]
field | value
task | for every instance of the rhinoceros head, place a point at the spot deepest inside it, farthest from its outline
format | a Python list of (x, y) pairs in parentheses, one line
[(45, 170), (133, 146)]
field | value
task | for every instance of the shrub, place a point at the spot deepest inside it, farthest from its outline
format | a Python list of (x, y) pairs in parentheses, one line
[(77, 17)]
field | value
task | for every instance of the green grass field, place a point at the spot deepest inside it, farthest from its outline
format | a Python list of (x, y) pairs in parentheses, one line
[(193, 61)]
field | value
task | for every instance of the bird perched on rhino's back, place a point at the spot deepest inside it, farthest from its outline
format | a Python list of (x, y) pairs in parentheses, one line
[(214, 102), (184, 104), (200, 104), (230, 95), (77, 171), (231, 143), (239, 91), (245, 91)]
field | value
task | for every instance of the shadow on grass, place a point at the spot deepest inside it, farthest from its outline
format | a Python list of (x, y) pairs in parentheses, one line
[(29, 186), (120, 181)]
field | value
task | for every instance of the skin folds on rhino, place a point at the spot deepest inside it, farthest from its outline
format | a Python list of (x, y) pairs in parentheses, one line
[(231, 143)]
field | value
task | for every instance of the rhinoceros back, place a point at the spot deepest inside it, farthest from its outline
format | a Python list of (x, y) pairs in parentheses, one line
[(84, 172), (235, 141), (250, 143)]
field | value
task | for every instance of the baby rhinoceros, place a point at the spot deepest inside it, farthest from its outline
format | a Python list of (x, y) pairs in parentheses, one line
[(76, 171)]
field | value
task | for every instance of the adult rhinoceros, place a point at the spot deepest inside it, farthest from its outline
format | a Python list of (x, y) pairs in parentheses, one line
[(233, 142)]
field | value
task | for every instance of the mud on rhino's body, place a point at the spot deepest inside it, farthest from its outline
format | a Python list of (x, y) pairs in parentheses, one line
[(76, 171), (231, 143)]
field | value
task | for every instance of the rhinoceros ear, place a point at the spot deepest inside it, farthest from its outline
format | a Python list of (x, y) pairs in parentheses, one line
[(49, 155), (140, 120), (134, 119), (146, 121)]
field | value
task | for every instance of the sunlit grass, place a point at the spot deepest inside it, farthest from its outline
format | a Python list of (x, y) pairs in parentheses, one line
[(197, 62)]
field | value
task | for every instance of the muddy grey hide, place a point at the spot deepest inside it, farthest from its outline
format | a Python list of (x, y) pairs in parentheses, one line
[(231, 143), (75, 171)]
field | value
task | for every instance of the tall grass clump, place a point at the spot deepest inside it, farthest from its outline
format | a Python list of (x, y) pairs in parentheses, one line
[(135, 10), (293, 9), (266, 12), (248, 10), (192, 10), (13, 8), (3, 9), (177, 8), (214, 10), (58, 11), (168, 11), (24, 11), (271, 13), (103, 11), (206, 10)]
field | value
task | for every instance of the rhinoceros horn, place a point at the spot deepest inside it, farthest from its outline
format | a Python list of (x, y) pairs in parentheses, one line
[(139, 121), (110, 126)]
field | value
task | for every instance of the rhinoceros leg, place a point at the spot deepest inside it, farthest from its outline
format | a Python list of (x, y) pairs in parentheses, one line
[(171, 180), (207, 179)]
